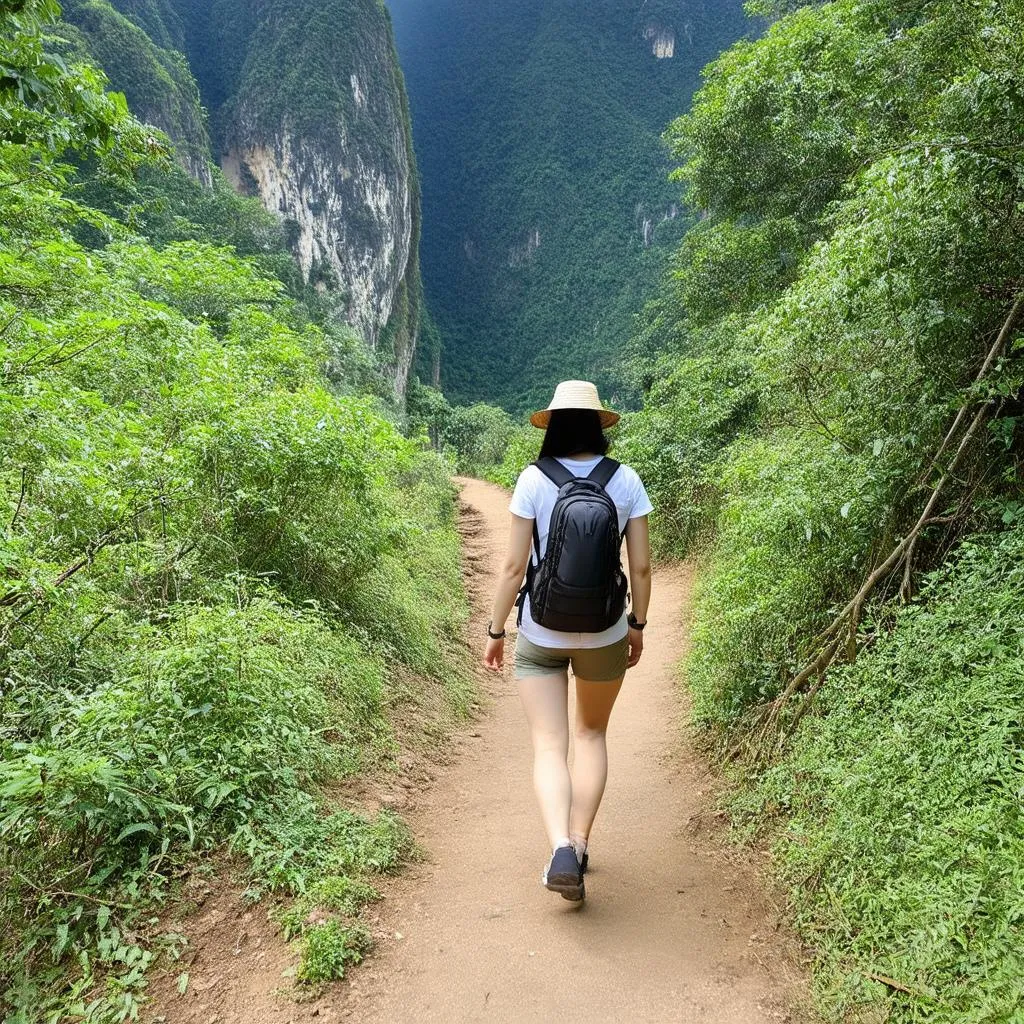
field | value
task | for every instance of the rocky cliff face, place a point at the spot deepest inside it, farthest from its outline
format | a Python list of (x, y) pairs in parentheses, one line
[(316, 125), (662, 40), (352, 222), (308, 111), (329, 148)]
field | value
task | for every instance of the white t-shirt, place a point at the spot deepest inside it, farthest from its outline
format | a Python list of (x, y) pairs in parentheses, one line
[(534, 498)]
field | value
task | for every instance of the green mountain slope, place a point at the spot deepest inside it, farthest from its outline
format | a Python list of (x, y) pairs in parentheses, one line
[(138, 45), (308, 113), (547, 209)]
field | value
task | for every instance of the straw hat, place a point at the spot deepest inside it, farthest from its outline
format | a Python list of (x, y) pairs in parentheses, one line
[(574, 394)]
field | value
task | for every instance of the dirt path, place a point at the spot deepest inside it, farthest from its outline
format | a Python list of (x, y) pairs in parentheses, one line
[(673, 930), (666, 933)]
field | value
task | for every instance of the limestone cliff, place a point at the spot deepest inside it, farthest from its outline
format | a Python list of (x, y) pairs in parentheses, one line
[(308, 112), (316, 124)]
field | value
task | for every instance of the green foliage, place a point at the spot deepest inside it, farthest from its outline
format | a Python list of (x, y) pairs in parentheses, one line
[(329, 948), (695, 406), (340, 893), (861, 174), (522, 448), (303, 851), (819, 326), (329, 38), (215, 564), (479, 434), (479, 440), (897, 816), (154, 78), (538, 122), (55, 108)]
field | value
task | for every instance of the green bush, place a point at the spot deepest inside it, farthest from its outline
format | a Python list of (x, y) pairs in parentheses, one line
[(218, 570), (819, 332), (479, 440), (897, 814), (523, 448), (825, 326), (479, 435), (329, 948)]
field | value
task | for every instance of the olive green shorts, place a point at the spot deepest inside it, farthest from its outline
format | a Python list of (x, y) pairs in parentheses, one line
[(595, 664)]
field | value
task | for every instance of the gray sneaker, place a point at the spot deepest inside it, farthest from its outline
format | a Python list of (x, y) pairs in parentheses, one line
[(565, 875)]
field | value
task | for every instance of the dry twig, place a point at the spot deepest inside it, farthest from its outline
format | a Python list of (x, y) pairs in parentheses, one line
[(841, 633)]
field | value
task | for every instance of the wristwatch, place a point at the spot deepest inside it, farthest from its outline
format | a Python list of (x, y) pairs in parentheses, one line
[(495, 636), (633, 624)]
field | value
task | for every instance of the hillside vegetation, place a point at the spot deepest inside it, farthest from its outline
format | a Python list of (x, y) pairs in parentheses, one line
[(834, 372), (304, 105), (547, 214), (221, 563), (141, 52)]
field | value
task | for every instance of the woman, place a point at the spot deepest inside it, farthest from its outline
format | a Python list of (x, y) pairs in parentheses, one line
[(574, 437)]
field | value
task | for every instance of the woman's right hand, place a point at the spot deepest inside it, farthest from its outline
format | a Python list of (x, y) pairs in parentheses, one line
[(636, 646), (494, 654)]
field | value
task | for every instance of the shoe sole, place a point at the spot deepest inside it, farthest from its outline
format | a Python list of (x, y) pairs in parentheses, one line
[(569, 887)]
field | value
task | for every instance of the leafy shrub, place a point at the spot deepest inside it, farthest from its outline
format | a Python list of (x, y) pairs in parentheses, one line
[(901, 834), (329, 948), (522, 449), (831, 325), (480, 440), (848, 304), (214, 567), (700, 405), (479, 435)]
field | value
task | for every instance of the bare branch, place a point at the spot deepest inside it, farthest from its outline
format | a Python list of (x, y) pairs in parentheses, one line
[(844, 626)]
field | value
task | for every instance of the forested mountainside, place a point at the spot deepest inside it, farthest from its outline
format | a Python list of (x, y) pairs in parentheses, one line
[(308, 113), (548, 213), (223, 568), (834, 420)]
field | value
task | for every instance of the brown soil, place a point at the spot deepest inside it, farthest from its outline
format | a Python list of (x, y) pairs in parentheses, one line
[(676, 928)]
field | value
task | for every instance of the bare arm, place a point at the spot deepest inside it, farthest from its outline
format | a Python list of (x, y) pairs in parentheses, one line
[(510, 579), (638, 548)]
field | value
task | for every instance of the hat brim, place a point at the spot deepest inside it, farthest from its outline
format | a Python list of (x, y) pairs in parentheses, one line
[(542, 417)]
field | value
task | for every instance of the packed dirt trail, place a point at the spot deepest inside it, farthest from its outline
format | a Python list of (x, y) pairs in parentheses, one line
[(674, 929), (669, 931)]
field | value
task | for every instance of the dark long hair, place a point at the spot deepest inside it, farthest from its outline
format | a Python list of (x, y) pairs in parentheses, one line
[(574, 432)]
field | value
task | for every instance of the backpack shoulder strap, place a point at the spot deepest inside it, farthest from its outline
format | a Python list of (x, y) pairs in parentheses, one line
[(554, 471), (603, 472)]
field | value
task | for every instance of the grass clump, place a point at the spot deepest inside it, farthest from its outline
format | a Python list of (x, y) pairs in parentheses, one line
[(896, 817), (340, 893), (329, 948)]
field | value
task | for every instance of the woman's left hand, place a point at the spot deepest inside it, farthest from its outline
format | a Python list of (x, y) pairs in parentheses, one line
[(494, 654)]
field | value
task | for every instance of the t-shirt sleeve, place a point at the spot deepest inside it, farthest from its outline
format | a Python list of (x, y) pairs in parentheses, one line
[(641, 502), (523, 503)]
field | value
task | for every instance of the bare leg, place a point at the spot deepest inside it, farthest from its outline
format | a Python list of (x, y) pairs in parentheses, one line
[(594, 703), (546, 703)]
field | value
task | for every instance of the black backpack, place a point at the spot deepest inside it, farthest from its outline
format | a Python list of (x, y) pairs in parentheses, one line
[(578, 586)]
